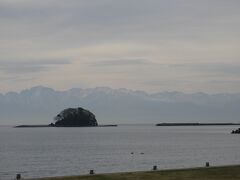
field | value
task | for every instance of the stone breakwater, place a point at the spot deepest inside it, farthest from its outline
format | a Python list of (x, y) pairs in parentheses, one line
[(237, 131)]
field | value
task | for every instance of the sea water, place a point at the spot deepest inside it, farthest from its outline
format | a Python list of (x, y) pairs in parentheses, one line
[(44, 152)]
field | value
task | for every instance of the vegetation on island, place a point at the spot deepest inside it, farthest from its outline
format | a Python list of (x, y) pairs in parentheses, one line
[(75, 117)]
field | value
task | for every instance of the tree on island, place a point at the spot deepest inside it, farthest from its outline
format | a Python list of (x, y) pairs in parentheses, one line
[(75, 117)]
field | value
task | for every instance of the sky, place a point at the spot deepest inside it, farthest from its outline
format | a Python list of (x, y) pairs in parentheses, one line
[(150, 45)]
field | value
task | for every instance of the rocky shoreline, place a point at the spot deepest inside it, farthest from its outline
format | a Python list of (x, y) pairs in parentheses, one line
[(237, 131)]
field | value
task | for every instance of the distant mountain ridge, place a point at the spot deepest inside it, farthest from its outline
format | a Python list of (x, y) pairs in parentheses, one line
[(39, 105)]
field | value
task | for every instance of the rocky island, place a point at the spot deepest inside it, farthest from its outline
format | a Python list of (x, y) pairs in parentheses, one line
[(71, 117), (75, 117)]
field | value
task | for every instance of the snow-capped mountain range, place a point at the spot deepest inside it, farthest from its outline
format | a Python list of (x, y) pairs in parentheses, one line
[(39, 105)]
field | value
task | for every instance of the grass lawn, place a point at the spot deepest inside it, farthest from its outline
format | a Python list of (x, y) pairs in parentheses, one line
[(211, 173)]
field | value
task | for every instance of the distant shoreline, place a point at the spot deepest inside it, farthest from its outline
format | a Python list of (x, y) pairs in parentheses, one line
[(198, 124), (32, 126), (159, 124)]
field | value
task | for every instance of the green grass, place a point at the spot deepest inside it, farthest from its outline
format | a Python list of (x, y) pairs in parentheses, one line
[(211, 173)]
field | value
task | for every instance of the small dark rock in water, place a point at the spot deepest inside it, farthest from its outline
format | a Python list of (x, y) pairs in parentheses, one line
[(154, 168), (91, 172), (237, 131), (51, 125), (18, 176)]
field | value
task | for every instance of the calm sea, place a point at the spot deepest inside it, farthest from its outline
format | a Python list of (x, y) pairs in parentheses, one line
[(41, 152)]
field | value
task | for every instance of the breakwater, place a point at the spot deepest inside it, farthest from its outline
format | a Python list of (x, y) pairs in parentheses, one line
[(197, 124)]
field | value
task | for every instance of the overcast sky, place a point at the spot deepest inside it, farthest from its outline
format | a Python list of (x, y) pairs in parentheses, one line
[(151, 45)]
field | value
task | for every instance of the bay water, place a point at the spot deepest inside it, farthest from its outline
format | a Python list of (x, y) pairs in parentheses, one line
[(46, 152)]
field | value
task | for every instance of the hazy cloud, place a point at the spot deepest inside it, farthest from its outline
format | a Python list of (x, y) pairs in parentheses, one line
[(196, 41), (34, 66), (121, 62), (218, 68)]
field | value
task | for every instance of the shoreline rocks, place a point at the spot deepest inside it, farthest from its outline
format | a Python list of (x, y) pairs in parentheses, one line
[(237, 131)]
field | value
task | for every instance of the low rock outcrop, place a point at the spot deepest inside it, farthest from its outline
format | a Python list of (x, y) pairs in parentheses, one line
[(237, 131)]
